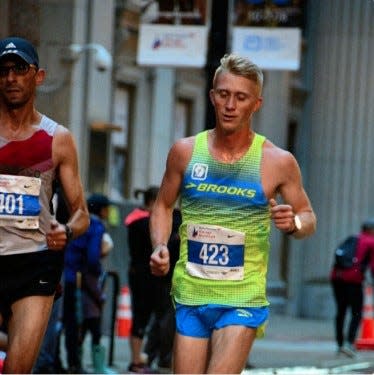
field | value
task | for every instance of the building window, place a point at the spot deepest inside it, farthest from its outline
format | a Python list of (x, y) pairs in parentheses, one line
[(97, 160), (123, 99), (182, 120)]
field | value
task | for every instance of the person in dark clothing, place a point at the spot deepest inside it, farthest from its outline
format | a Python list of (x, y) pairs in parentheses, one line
[(160, 337), (99, 243), (347, 284), (149, 294), (84, 297)]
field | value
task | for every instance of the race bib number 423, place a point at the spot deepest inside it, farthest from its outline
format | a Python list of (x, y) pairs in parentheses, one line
[(215, 252), (19, 201)]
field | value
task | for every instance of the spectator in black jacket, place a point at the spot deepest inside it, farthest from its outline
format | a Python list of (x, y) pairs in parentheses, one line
[(149, 294)]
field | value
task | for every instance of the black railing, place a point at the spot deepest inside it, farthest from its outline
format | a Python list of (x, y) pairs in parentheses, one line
[(115, 292)]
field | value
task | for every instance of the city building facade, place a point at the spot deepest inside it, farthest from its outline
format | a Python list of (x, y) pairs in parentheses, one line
[(125, 116)]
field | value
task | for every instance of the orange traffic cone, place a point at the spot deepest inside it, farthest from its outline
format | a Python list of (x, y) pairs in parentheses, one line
[(124, 316), (366, 339)]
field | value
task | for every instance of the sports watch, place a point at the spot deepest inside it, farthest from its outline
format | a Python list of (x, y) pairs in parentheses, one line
[(69, 233)]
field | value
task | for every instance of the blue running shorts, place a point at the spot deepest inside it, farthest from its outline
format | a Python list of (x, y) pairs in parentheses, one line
[(200, 321)]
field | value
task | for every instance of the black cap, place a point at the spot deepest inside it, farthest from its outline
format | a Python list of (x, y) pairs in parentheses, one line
[(20, 47), (97, 201), (368, 224)]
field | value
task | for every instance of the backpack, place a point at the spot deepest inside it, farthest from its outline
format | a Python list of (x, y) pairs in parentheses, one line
[(345, 253)]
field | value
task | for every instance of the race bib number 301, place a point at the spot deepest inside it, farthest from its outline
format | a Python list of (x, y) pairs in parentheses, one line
[(19, 201), (215, 252)]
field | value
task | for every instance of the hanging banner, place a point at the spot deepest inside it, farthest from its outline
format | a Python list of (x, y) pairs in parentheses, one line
[(172, 45), (269, 48), (173, 33), (269, 32)]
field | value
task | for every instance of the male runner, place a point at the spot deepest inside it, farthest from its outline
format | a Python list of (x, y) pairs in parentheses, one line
[(228, 179), (34, 152)]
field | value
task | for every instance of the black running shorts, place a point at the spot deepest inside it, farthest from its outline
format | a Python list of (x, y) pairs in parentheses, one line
[(29, 274)]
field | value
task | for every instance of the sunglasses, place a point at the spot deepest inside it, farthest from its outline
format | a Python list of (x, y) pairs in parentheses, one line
[(18, 69)]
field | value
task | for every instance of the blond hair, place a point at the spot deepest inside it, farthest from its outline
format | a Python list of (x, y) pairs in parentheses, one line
[(240, 66)]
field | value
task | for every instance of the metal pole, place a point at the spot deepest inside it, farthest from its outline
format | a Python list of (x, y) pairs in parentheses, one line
[(217, 47), (115, 277)]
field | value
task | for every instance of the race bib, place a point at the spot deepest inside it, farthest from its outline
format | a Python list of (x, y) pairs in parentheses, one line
[(215, 252), (19, 201)]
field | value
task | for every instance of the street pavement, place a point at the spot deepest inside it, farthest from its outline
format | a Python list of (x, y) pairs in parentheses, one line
[(303, 346), (290, 346)]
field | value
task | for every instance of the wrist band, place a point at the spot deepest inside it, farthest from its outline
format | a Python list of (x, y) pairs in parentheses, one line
[(157, 248)]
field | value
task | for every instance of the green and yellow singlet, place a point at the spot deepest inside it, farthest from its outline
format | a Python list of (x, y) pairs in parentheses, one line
[(225, 230)]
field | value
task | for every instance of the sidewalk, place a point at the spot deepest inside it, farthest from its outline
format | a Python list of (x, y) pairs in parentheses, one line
[(291, 342), (288, 343)]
